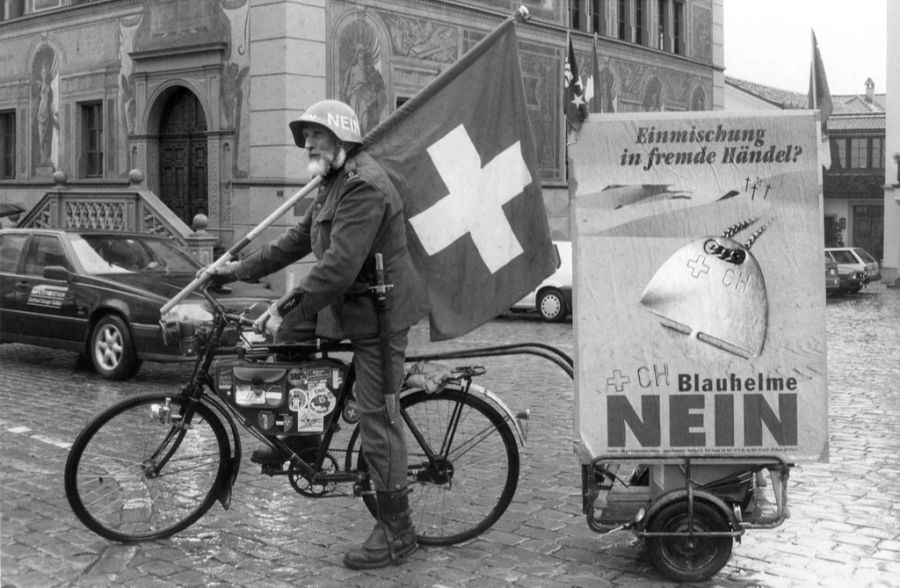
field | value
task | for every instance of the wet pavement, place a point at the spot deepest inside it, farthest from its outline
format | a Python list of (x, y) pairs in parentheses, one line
[(844, 528)]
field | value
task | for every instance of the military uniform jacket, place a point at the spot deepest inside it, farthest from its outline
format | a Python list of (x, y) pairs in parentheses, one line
[(357, 213)]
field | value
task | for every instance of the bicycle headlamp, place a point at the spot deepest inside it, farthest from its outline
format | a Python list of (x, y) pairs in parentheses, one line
[(196, 312), (181, 323)]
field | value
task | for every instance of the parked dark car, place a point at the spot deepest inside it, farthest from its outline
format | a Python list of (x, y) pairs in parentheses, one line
[(99, 293)]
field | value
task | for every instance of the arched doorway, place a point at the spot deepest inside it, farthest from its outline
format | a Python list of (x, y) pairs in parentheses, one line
[(182, 155)]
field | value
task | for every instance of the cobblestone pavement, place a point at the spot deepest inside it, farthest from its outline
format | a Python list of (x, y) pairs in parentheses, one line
[(844, 529)]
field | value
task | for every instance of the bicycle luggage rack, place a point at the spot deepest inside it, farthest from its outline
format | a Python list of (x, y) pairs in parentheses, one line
[(548, 352)]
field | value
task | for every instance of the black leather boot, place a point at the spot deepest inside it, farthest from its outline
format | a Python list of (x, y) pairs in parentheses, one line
[(393, 537), (269, 455)]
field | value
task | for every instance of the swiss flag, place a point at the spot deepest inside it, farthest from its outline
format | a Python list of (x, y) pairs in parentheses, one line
[(462, 156)]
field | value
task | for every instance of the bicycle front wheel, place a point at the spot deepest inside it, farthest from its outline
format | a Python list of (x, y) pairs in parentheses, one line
[(142, 470), (463, 465)]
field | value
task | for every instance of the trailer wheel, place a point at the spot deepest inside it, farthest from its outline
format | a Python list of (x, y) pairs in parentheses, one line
[(689, 559)]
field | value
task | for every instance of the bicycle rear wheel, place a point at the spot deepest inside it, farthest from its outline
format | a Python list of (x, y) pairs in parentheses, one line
[(139, 473), (475, 471)]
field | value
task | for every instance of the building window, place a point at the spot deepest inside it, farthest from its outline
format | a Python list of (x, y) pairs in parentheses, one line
[(622, 20), (92, 139), (639, 16), (877, 160), (678, 28), (670, 26), (857, 155), (598, 17), (7, 145), (577, 22), (662, 22), (14, 9)]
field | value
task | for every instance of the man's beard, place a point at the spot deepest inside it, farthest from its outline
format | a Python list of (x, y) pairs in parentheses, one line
[(320, 165)]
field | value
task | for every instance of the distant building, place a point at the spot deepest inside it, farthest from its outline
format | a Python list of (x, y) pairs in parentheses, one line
[(854, 197), (890, 269)]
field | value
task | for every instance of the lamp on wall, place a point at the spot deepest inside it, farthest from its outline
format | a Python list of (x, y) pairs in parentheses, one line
[(842, 222), (897, 160)]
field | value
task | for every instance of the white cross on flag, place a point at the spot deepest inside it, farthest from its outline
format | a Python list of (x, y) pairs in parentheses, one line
[(462, 156)]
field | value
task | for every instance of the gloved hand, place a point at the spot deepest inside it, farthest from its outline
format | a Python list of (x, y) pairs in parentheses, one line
[(220, 275), (269, 321)]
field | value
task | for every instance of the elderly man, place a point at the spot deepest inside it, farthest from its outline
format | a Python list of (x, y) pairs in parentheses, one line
[(356, 214)]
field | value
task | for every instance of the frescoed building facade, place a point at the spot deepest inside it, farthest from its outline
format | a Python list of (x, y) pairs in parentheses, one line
[(197, 94)]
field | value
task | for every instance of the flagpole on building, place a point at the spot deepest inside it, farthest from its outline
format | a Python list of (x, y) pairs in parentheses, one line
[(565, 113), (822, 104), (812, 70), (595, 75)]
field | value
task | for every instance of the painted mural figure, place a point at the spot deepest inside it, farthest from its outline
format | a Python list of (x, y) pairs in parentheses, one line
[(653, 96), (45, 115), (608, 91), (364, 90), (232, 102)]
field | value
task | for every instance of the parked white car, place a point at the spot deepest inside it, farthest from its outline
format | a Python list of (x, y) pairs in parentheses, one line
[(552, 299), (853, 262)]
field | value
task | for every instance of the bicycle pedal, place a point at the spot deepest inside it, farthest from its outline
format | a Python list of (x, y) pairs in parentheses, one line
[(272, 469)]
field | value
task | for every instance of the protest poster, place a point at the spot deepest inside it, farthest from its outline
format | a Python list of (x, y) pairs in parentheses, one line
[(699, 286)]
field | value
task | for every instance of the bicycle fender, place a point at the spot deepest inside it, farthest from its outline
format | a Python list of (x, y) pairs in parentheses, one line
[(698, 496), (498, 402), (492, 399), (224, 495), (234, 464)]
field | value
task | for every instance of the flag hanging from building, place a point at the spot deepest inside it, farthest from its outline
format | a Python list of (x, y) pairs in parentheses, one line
[(820, 99), (819, 94), (593, 91), (573, 92), (599, 87), (462, 156)]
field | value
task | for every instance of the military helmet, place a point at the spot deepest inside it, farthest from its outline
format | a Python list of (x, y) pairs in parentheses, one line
[(334, 115)]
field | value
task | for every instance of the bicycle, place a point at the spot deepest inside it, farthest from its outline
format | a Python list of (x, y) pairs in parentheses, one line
[(151, 465)]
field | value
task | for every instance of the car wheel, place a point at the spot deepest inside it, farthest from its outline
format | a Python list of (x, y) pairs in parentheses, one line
[(551, 305), (112, 350)]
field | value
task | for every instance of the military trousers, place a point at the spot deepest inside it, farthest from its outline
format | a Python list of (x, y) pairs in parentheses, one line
[(383, 443)]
